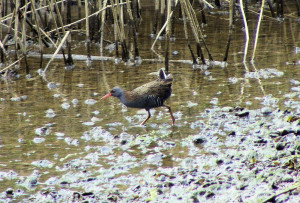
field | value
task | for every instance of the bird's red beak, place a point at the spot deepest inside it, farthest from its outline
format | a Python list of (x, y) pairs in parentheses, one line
[(108, 95)]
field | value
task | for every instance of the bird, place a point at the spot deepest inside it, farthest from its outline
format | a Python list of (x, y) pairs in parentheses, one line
[(150, 95)]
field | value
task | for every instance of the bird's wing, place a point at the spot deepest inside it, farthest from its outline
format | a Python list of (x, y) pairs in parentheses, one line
[(159, 88)]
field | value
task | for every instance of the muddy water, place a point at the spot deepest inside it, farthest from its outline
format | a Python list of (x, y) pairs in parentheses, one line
[(40, 122)]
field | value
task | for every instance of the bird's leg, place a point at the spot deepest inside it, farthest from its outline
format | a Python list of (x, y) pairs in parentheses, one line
[(149, 115), (170, 111)]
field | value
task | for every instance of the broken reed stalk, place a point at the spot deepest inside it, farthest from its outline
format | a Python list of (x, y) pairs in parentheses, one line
[(68, 61), (24, 13), (119, 22), (206, 3), (56, 51), (54, 5), (11, 65), (12, 15), (162, 29), (35, 31), (231, 20), (285, 190), (258, 27), (9, 16), (246, 31), (83, 19), (87, 30), (167, 41)]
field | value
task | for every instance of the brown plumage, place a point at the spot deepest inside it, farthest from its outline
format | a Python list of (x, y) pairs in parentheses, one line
[(147, 96)]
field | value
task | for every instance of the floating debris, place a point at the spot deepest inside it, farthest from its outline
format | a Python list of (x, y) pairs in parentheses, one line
[(50, 113), (42, 131), (52, 85), (59, 134), (71, 141), (80, 85), (264, 73), (96, 112), (65, 105), (42, 164), (74, 102), (95, 119), (38, 140), (88, 123), (17, 99), (214, 101), (175, 52), (191, 104), (90, 101)]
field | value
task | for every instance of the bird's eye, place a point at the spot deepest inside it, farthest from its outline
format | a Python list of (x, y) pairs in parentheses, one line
[(112, 91)]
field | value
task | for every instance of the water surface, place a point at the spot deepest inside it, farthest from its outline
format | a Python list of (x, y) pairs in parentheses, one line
[(29, 134)]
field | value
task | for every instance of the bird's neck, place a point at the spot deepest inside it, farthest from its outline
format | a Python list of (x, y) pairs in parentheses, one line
[(123, 97)]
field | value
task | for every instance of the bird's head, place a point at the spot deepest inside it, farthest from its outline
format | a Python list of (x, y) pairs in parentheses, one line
[(115, 92)]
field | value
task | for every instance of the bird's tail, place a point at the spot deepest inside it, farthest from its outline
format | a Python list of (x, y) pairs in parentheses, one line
[(164, 76)]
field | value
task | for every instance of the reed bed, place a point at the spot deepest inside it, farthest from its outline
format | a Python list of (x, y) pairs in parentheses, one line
[(52, 23)]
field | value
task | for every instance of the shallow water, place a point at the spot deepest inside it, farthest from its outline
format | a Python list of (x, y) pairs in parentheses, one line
[(29, 134)]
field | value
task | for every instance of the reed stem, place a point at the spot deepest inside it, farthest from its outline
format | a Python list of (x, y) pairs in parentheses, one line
[(102, 25), (168, 32), (2, 50), (87, 29), (231, 20), (258, 27), (246, 30), (33, 8)]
